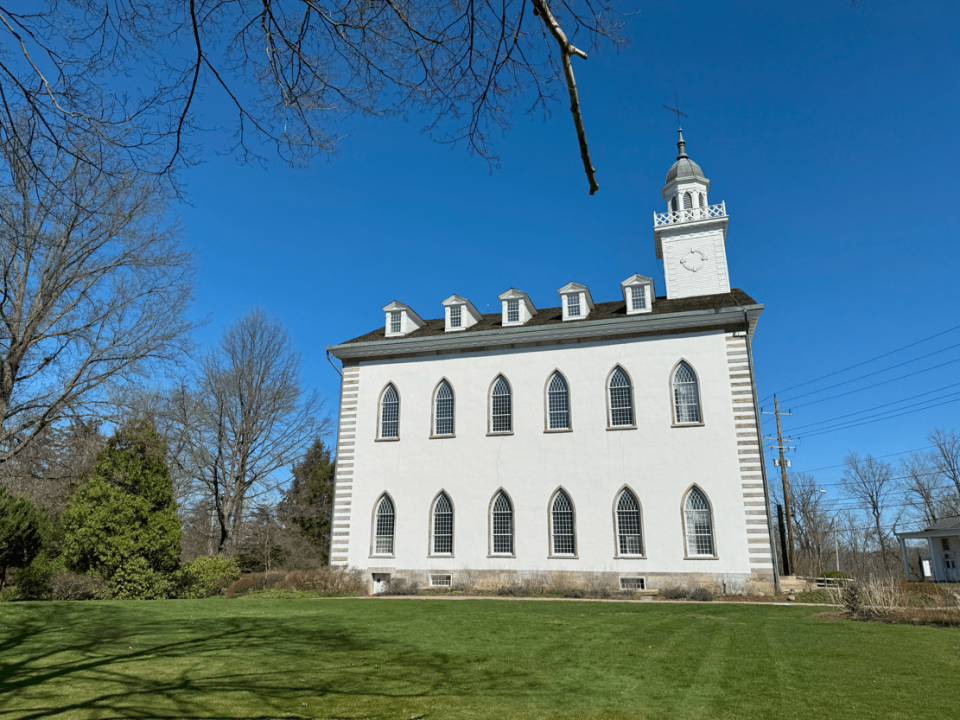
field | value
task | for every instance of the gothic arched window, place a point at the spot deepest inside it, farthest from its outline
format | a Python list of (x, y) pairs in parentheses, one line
[(390, 413), (501, 525), (558, 403), (698, 520), (703, 200), (443, 410), (383, 525), (501, 407), (629, 535), (443, 525), (562, 524), (687, 201), (686, 395), (673, 206), (621, 399)]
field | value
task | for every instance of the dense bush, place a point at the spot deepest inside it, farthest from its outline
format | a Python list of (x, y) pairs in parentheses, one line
[(34, 581), (673, 593), (208, 576), (701, 594), (23, 530), (851, 599), (513, 591), (137, 580), (254, 582), (79, 586), (124, 518), (835, 574), (574, 593), (402, 586)]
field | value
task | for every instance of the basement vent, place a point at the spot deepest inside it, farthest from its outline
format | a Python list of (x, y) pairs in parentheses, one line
[(441, 580), (632, 583)]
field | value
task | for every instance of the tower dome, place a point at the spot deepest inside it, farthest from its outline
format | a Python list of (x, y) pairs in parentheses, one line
[(684, 168)]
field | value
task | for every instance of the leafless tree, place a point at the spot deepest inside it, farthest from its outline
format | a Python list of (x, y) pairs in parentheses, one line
[(248, 417), (288, 69), (871, 481), (923, 487), (945, 456), (812, 523), (93, 288)]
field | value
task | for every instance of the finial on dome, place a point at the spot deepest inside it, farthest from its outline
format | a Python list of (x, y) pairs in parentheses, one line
[(681, 145)]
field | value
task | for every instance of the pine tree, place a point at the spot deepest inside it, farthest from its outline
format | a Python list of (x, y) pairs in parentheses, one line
[(122, 523), (23, 529), (308, 502)]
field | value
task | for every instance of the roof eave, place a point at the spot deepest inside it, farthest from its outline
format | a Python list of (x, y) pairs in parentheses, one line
[(688, 321)]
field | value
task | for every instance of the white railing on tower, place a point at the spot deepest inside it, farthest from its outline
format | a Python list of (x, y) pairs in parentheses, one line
[(689, 215)]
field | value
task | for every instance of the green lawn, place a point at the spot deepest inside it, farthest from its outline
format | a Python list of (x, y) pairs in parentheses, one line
[(258, 658)]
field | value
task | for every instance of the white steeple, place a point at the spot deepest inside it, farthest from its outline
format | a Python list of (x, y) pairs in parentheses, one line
[(691, 234)]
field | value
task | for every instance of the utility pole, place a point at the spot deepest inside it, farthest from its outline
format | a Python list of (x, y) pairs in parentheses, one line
[(786, 487)]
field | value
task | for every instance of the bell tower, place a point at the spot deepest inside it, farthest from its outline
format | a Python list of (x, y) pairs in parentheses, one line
[(691, 235)]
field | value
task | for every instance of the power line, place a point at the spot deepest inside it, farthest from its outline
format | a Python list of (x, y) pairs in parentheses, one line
[(870, 422), (875, 372), (877, 457), (875, 407), (858, 421), (868, 387), (865, 362)]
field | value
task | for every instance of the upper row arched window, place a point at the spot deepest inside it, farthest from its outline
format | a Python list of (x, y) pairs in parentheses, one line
[(628, 524), (685, 391)]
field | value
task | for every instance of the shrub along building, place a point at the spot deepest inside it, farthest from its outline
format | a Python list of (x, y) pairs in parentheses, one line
[(616, 437)]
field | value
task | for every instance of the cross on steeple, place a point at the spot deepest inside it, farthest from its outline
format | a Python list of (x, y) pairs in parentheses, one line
[(677, 111)]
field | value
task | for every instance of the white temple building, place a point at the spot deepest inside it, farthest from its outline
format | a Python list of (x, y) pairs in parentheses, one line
[(614, 437)]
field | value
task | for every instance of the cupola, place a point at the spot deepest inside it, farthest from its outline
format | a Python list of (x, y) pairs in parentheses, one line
[(401, 319), (686, 186), (638, 294), (576, 299), (459, 314), (517, 307)]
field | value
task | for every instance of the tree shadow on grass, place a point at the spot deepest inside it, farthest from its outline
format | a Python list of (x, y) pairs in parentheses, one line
[(101, 660)]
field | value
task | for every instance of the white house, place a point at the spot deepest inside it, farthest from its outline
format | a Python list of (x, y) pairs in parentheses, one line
[(617, 437), (943, 540)]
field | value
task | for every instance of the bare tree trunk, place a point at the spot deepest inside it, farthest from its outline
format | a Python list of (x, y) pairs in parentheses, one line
[(871, 481)]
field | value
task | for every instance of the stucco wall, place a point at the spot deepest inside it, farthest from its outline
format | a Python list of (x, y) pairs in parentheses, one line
[(592, 463)]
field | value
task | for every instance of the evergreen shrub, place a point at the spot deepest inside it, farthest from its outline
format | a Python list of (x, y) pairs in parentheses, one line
[(208, 576), (673, 593)]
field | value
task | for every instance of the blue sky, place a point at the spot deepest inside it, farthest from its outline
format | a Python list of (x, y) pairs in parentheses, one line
[(830, 131)]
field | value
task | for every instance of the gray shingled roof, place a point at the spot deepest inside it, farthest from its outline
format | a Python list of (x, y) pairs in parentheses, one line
[(950, 523), (601, 311)]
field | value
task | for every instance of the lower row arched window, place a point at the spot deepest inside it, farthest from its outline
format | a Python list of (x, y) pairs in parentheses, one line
[(697, 521)]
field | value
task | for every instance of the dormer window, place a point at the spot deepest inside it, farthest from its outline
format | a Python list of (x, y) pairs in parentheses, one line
[(459, 314), (401, 320), (517, 307), (513, 311), (638, 294), (577, 302)]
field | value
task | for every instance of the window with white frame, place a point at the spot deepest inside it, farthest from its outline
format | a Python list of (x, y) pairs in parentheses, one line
[(395, 321), (558, 403), (443, 525), (945, 543), (384, 527), (443, 413), (633, 583), (687, 201), (686, 395), (501, 410), (573, 305), (455, 316), (673, 203), (699, 524), (703, 200), (638, 297), (501, 525), (441, 580), (513, 311), (621, 399), (564, 539), (390, 413), (629, 535)]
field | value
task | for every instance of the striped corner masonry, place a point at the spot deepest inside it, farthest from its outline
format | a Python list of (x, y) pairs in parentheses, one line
[(751, 457), (346, 442)]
